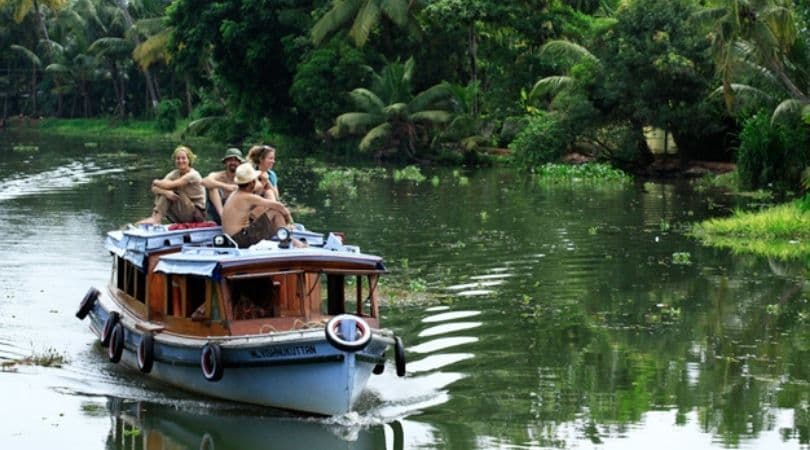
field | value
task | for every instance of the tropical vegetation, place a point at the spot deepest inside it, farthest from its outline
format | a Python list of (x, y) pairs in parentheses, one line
[(444, 80)]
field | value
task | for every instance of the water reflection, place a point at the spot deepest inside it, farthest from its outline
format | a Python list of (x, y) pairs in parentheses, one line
[(556, 319), (154, 426)]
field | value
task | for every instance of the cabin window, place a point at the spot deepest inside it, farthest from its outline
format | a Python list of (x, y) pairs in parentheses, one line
[(346, 292), (130, 279), (254, 298), (185, 295)]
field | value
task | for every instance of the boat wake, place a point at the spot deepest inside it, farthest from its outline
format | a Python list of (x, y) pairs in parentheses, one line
[(62, 178)]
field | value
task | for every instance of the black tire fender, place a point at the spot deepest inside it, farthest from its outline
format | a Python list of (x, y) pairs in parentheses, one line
[(145, 355), (106, 332), (333, 335), (211, 362), (399, 356), (116, 347), (87, 303)]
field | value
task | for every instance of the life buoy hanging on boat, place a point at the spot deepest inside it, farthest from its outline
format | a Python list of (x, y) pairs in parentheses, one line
[(116, 347), (362, 333), (399, 356), (146, 353), (87, 303), (112, 319), (211, 362)]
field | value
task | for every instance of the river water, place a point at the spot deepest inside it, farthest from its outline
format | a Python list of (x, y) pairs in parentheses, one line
[(533, 316)]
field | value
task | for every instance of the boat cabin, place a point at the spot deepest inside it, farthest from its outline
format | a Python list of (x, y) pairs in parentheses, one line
[(179, 281)]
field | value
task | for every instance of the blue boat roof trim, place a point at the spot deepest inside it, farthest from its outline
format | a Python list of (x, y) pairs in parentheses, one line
[(205, 261)]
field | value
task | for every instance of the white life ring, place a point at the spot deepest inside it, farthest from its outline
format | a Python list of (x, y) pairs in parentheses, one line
[(362, 334)]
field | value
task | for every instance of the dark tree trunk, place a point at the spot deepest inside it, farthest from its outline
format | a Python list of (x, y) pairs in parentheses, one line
[(33, 89), (188, 96)]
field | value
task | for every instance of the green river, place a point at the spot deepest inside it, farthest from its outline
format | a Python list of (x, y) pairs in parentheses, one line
[(533, 316)]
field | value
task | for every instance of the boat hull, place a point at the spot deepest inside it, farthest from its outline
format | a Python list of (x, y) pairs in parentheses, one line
[(297, 370)]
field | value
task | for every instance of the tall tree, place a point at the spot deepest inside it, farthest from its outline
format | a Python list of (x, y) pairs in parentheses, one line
[(364, 16), (391, 118)]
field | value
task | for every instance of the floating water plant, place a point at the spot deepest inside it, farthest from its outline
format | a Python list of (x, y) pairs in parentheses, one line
[(409, 173), (592, 173), (682, 258)]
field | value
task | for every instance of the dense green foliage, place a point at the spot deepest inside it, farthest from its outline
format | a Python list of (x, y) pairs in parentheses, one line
[(541, 77)]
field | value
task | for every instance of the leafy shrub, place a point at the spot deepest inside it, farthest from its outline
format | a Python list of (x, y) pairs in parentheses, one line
[(772, 154), (168, 111), (544, 139)]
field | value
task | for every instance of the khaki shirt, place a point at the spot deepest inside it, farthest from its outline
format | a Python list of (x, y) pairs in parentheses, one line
[(194, 190)]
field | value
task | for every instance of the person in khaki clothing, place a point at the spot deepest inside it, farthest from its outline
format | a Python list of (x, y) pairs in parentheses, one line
[(180, 195), (269, 215)]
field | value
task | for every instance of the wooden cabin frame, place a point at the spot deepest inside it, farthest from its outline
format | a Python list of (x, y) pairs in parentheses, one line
[(292, 296)]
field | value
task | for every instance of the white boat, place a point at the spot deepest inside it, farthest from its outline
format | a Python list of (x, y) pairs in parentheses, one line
[(291, 328)]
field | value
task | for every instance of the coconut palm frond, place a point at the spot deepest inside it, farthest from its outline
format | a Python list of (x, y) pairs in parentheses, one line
[(396, 10), (367, 100), (744, 90), (149, 26), (355, 122), (550, 85), (27, 54), (367, 17), (379, 132), (199, 126), (787, 108), (57, 68), (806, 179), (761, 72), (568, 50), (152, 50), (435, 116), (341, 12), (52, 47), (396, 110), (430, 96), (107, 46)]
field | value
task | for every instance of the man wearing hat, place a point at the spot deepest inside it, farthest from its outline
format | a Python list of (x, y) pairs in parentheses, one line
[(220, 184), (269, 214)]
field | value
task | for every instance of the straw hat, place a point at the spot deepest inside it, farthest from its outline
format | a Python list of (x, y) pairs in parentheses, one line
[(233, 153), (245, 173)]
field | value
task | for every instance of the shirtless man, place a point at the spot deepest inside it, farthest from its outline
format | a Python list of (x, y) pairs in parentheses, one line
[(241, 205), (180, 195), (220, 184)]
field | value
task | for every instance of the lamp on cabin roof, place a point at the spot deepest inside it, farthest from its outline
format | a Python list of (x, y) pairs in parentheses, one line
[(284, 237)]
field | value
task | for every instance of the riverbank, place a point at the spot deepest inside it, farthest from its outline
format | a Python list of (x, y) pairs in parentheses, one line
[(93, 128)]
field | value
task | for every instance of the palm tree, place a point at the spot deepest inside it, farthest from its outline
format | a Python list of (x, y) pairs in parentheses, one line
[(390, 117), (364, 15), (22, 8), (36, 63), (754, 36), (568, 52)]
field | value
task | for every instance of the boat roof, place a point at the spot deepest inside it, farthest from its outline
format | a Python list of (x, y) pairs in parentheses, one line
[(194, 253)]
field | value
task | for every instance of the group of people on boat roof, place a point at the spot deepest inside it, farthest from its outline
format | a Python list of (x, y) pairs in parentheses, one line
[(243, 198)]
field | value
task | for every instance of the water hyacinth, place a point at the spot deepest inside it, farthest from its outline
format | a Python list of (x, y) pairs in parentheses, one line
[(591, 173)]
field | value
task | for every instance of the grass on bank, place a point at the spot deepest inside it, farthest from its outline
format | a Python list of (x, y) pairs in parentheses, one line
[(782, 231), (136, 129)]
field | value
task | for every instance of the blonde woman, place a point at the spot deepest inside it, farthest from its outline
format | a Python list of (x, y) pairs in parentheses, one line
[(180, 195)]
